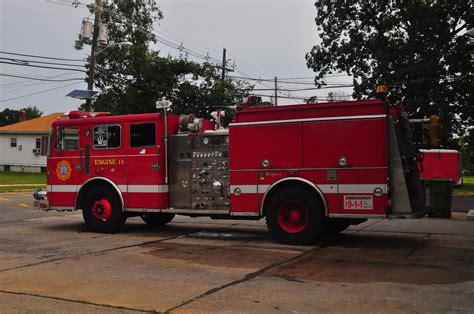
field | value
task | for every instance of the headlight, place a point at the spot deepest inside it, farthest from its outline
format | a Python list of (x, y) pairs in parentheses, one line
[(39, 194)]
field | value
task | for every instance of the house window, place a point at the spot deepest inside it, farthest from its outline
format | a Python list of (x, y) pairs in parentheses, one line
[(13, 142), (106, 136), (142, 135), (41, 146)]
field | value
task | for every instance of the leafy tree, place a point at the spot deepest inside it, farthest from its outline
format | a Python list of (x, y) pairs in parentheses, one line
[(11, 116), (133, 78), (467, 151), (33, 112), (415, 46)]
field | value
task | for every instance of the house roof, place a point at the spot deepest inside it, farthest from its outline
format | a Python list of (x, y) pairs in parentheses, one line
[(34, 126)]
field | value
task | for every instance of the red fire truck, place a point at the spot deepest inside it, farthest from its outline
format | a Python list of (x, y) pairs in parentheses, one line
[(307, 169)]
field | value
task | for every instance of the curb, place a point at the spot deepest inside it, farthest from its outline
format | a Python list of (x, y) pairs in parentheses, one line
[(470, 215)]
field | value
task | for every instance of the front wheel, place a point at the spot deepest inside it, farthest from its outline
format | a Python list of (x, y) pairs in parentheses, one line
[(102, 210), (157, 219), (295, 216)]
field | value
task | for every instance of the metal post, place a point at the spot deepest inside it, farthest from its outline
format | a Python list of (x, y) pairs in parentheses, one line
[(165, 104), (166, 145), (276, 91)]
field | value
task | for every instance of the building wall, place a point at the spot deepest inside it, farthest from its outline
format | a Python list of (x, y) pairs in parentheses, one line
[(21, 157)]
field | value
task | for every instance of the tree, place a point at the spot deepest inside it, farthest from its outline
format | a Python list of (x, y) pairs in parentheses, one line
[(133, 78), (11, 116), (415, 46), (467, 151), (33, 112)]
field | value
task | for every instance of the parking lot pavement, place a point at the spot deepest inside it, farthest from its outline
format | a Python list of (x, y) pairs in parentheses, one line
[(49, 263)]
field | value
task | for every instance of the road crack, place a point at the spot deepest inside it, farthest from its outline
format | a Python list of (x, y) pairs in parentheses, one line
[(75, 301), (419, 244), (255, 274), (91, 253)]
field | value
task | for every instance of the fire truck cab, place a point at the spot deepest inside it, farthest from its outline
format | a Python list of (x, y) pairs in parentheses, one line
[(309, 169)]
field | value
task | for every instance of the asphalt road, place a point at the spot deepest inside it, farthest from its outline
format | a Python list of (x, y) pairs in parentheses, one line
[(462, 204), (49, 263)]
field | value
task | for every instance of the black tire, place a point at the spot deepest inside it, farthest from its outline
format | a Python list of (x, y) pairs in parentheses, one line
[(295, 215), (102, 210), (157, 219)]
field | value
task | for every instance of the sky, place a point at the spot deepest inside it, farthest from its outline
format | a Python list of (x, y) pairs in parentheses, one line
[(265, 38)]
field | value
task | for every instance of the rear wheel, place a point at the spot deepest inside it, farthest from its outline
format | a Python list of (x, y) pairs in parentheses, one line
[(102, 210), (157, 219), (294, 215)]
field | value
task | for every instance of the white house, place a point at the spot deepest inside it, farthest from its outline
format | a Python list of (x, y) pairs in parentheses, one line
[(24, 145)]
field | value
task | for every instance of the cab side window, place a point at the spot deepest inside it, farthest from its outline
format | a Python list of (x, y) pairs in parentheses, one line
[(107, 136), (67, 138), (142, 135)]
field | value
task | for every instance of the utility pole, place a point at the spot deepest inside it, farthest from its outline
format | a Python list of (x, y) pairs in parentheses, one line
[(95, 35), (276, 91), (224, 70), (224, 62)]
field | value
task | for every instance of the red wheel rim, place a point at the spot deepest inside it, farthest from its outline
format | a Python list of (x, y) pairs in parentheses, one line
[(292, 216), (102, 209)]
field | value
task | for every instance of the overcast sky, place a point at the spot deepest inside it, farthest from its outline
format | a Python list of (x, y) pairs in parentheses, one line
[(265, 38)]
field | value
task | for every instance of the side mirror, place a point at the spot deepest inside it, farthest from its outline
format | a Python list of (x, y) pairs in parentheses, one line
[(59, 136)]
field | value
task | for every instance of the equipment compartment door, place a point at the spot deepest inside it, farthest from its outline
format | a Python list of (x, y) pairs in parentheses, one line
[(143, 167)]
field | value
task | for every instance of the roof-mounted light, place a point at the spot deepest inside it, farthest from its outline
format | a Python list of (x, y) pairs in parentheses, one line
[(76, 114)]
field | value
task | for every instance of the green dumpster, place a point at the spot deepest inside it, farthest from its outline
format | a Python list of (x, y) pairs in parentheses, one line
[(441, 195)]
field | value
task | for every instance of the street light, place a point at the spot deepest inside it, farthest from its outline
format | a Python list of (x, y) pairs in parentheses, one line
[(112, 44), (90, 81)]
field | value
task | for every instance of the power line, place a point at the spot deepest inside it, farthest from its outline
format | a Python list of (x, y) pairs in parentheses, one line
[(304, 89), (41, 66), (27, 86), (24, 61), (286, 97), (174, 37), (259, 79), (22, 82), (182, 48), (279, 81), (40, 79), (312, 77), (39, 57), (41, 92), (294, 97)]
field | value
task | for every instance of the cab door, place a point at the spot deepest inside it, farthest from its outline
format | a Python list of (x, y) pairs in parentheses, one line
[(143, 166), (65, 166)]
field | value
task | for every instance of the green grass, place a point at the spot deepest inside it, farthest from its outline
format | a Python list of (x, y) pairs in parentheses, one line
[(467, 188), (12, 178), (21, 188)]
